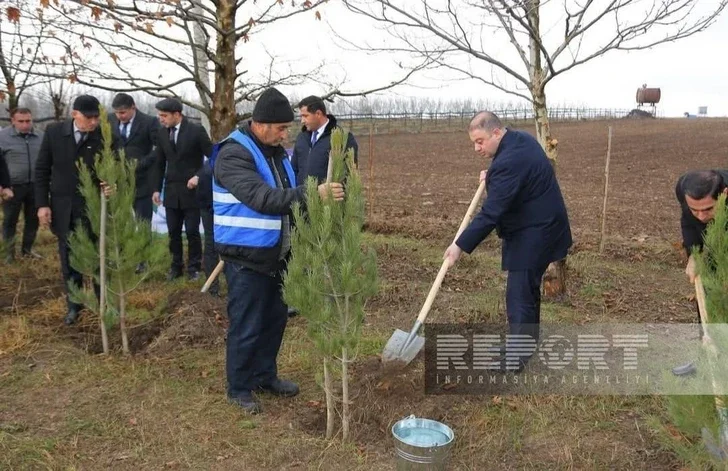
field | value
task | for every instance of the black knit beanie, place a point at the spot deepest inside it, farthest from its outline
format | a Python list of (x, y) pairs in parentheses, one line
[(272, 107)]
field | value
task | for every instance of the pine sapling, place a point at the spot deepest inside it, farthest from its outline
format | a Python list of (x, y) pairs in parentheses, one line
[(127, 241), (330, 275)]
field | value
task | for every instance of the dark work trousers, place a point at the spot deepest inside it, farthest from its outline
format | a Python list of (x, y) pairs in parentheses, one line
[(143, 208), (523, 302), (258, 317), (210, 258), (23, 200), (190, 218), (70, 275)]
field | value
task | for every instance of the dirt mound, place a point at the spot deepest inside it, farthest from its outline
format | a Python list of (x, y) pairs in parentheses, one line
[(195, 320), (191, 319), (639, 114)]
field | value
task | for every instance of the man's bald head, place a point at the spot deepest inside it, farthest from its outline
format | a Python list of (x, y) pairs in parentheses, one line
[(486, 131), (486, 121)]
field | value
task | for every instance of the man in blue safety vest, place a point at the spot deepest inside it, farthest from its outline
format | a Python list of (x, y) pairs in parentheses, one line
[(254, 188)]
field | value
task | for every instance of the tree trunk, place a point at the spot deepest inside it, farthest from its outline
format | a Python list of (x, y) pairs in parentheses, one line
[(222, 112), (329, 400), (102, 276), (122, 319), (554, 280), (201, 63), (345, 394)]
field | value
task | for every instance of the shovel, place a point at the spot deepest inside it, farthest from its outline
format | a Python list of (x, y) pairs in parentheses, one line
[(404, 347), (215, 273)]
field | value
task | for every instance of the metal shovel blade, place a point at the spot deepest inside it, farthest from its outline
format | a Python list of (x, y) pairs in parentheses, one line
[(399, 349)]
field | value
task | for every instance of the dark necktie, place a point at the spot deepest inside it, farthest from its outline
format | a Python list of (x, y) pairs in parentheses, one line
[(172, 130), (313, 137), (124, 134)]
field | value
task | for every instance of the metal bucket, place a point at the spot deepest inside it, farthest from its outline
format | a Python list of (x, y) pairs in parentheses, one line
[(422, 444)]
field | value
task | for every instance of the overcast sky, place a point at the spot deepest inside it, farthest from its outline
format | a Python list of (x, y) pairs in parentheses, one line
[(692, 72)]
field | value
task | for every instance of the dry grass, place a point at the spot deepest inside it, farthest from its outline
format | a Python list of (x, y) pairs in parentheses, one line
[(15, 333), (165, 408)]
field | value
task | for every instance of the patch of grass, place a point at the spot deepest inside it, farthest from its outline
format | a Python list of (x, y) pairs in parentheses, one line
[(689, 449), (15, 333)]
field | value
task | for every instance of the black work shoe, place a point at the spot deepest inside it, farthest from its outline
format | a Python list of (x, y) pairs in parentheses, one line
[(32, 254), (281, 387), (194, 276), (72, 315), (173, 275), (685, 370), (292, 312), (247, 402)]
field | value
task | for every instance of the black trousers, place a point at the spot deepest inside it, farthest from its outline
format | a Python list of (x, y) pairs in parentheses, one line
[(23, 201), (258, 318), (190, 219), (210, 257), (143, 208), (69, 274)]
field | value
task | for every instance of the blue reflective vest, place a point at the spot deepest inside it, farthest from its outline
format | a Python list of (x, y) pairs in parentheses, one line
[(237, 224)]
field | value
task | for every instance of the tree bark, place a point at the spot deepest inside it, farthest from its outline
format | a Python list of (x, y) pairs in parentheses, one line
[(102, 276), (345, 394), (329, 400), (554, 281), (122, 319), (222, 112)]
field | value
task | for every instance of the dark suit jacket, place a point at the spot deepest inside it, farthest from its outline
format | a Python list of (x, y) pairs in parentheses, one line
[(141, 146), (313, 160), (181, 163), (525, 206), (56, 173)]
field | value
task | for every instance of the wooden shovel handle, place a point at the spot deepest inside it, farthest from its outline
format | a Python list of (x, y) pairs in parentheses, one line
[(443, 269), (213, 275)]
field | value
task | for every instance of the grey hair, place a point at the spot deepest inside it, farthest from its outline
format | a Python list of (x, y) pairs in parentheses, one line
[(486, 121)]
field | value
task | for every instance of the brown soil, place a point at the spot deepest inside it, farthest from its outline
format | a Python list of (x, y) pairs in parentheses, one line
[(420, 189)]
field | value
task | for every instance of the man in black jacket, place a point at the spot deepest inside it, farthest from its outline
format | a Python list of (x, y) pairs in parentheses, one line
[(19, 146), (181, 150), (137, 134), (313, 144), (254, 188), (697, 193), (57, 196)]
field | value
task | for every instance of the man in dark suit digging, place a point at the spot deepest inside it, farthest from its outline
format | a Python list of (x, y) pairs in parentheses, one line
[(525, 206)]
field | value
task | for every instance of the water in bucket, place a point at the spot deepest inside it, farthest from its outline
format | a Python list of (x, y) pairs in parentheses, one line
[(422, 444), (421, 436)]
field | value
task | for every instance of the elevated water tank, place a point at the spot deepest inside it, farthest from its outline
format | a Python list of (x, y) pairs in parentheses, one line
[(648, 95)]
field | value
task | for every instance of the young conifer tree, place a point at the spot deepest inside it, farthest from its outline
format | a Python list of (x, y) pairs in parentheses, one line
[(331, 274), (128, 241), (707, 415)]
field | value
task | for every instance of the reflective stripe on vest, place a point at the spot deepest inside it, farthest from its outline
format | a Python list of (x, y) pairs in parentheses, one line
[(237, 224)]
